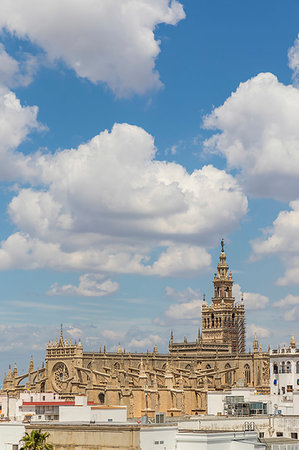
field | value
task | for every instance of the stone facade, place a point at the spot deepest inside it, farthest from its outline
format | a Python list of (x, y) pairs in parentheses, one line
[(175, 383)]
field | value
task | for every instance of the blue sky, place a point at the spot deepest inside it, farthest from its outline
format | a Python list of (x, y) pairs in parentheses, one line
[(131, 143)]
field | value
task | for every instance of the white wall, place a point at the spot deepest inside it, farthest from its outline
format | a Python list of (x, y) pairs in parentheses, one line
[(74, 414), (165, 435), (106, 414), (10, 434), (217, 441)]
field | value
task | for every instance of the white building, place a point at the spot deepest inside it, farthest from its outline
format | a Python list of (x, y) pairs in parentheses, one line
[(284, 370), (44, 407), (187, 436)]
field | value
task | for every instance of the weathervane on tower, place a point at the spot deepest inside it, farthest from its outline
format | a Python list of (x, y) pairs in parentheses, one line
[(222, 245)]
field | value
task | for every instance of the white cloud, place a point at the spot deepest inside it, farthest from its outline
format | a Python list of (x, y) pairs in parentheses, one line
[(188, 310), (146, 342), (109, 204), (290, 300), (16, 122), (259, 135), (90, 285), (111, 42), (252, 300), (261, 332), (292, 315), (287, 301), (293, 55), (188, 304), (16, 73), (75, 332), (282, 241)]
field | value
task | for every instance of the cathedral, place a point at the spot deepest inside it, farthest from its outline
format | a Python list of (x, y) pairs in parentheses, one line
[(175, 383)]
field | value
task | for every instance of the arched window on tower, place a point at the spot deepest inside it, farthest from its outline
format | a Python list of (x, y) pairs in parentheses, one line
[(212, 320), (283, 367), (228, 375), (247, 373), (288, 367)]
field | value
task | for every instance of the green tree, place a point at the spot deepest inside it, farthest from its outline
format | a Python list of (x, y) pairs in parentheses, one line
[(36, 440)]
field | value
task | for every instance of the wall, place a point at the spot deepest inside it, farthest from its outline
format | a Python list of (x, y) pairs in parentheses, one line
[(165, 435), (10, 434), (91, 437), (217, 441), (105, 414), (269, 425)]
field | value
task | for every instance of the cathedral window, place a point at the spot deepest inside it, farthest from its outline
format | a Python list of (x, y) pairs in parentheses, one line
[(212, 320), (228, 375), (102, 398), (247, 373)]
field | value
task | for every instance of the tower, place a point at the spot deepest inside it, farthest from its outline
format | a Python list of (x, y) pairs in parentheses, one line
[(224, 320)]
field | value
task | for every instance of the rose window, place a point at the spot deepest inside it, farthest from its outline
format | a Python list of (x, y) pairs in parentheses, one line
[(60, 374)]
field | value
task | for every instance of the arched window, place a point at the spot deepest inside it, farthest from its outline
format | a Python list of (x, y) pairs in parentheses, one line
[(297, 367), (212, 320), (233, 318), (102, 398), (208, 367), (228, 375), (116, 366), (275, 368), (283, 367), (288, 367), (247, 373)]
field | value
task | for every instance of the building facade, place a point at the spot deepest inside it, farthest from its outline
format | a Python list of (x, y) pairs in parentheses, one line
[(175, 383)]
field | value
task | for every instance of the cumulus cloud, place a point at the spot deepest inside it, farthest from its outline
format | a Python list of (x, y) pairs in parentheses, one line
[(146, 342), (74, 332), (111, 42), (107, 205), (259, 136), (252, 300), (287, 301), (292, 314), (17, 73), (293, 55), (90, 285), (282, 240), (261, 332), (188, 304), (16, 122)]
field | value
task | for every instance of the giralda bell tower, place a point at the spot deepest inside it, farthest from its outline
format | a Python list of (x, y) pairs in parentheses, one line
[(224, 321)]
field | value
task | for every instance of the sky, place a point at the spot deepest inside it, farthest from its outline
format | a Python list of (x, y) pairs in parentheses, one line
[(134, 136)]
